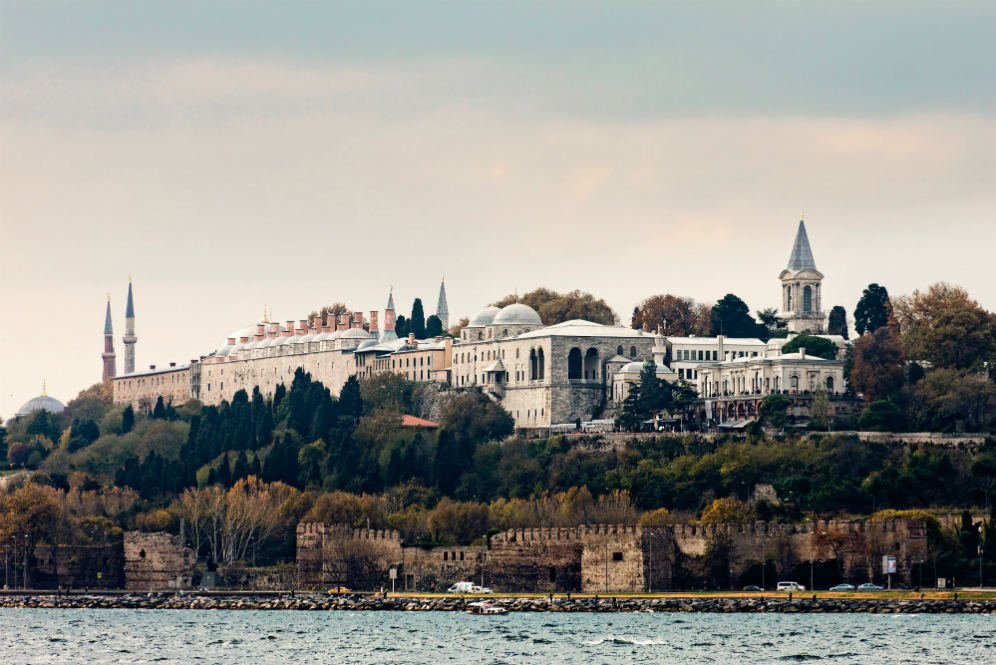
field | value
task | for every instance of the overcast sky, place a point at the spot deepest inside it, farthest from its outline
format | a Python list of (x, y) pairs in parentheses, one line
[(231, 154)]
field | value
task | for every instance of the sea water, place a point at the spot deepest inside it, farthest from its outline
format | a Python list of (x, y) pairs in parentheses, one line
[(226, 636)]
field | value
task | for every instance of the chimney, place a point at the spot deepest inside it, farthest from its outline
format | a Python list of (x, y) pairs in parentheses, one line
[(172, 364), (274, 330), (152, 366), (231, 341), (357, 319), (802, 352), (289, 329), (411, 339), (373, 322), (388, 319), (302, 328), (329, 323)]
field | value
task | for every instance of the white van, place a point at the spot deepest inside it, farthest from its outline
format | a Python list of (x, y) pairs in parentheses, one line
[(461, 587), (789, 586)]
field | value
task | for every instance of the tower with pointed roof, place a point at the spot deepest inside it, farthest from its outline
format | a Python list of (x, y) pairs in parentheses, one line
[(802, 306), (387, 334), (129, 338), (442, 311), (109, 357)]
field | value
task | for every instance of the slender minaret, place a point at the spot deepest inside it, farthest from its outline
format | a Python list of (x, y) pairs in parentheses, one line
[(442, 311), (388, 334), (108, 354), (129, 338)]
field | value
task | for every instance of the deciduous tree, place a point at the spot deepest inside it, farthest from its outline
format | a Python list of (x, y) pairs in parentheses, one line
[(675, 316), (556, 307), (877, 365)]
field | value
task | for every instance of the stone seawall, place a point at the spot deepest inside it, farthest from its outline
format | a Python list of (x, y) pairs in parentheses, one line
[(316, 602)]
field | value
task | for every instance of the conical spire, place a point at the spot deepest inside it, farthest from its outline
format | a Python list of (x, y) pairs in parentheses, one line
[(802, 255), (107, 319), (130, 309), (442, 311), (390, 299)]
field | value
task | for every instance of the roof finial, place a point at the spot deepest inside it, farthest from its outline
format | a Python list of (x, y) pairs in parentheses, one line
[(129, 278), (44, 394), (802, 215), (266, 319), (108, 297)]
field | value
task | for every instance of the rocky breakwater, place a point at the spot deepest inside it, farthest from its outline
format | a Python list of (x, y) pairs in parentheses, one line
[(314, 602)]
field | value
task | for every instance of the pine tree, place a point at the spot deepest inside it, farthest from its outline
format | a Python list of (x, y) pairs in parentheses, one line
[(159, 412), (837, 322), (872, 311)]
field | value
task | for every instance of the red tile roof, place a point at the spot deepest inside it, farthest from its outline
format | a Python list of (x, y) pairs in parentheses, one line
[(412, 421)]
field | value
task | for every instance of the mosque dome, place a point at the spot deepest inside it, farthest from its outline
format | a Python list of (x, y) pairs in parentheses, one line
[(484, 317), (43, 401), (518, 313)]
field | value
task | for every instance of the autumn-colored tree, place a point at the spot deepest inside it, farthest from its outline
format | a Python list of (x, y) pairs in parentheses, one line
[(877, 365), (675, 316), (727, 510), (336, 309), (458, 326), (945, 326), (659, 517), (556, 307)]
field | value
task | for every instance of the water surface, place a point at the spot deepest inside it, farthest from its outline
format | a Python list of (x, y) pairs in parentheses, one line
[(225, 636)]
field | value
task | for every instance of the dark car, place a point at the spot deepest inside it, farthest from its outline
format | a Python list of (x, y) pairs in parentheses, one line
[(751, 587)]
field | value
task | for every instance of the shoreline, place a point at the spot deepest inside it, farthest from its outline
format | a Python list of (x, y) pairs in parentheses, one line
[(801, 604)]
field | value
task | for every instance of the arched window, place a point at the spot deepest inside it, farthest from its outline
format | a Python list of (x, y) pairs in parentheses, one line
[(619, 350), (807, 298), (516, 353), (574, 367), (830, 384), (542, 364), (591, 364), (789, 298), (504, 332), (632, 352), (533, 365), (480, 336), (794, 382)]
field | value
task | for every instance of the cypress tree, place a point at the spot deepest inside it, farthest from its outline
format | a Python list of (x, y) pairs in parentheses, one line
[(256, 471), (446, 466), (242, 468), (224, 472), (127, 420), (417, 323), (159, 412)]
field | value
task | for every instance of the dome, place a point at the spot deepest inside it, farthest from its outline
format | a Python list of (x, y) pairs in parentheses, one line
[(41, 402), (484, 317), (355, 333), (366, 344), (637, 367), (517, 313)]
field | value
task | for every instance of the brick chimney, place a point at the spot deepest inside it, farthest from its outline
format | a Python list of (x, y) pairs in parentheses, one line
[(343, 322), (274, 330), (373, 322), (357, 319), (289, 329)]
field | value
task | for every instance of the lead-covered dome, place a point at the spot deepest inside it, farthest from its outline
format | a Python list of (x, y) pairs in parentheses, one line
[(50, 404), (518, 313), (484, 317), (637, 368)]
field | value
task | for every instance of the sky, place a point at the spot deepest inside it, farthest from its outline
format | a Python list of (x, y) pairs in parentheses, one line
[(231, 155)]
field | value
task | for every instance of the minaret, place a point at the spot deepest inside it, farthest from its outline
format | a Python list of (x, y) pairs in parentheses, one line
[(442, 311), (108, 354), (801, 288), (129, 338)]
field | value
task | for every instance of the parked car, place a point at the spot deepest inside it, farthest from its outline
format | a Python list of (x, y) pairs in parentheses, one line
[(751, 587), (843, 587), (790, 586), (480, 589), (868, 586)]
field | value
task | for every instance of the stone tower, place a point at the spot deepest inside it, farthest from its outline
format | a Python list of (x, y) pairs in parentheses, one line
[(442, 311), (129, 338), (801, 294), (108, 355), (388, 334)]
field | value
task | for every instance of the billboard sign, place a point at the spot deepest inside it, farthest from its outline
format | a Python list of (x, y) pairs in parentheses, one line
[(888, 565)]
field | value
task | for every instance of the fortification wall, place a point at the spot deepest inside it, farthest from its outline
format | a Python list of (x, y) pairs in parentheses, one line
[(78, 567), (612, 558), (331, 555), (156, 561), (546, 559)]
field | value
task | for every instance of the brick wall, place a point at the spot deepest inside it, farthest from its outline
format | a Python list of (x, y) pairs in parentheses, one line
[(157, 561)]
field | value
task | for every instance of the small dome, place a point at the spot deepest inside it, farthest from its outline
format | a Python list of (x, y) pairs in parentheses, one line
[(484, 317), (355, 333), (366, 344), (637, 367), (41, 402), (518, 313)]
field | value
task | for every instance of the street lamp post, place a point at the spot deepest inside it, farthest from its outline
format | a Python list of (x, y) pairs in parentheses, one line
[(980, 556), (6, 581), (25, 577)]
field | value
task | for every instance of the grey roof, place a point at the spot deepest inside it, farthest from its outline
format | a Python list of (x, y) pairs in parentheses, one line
[(390, 300), (637, 368), (802, 255), (130, 309), (107, 320), (582, 328), (517, 312)]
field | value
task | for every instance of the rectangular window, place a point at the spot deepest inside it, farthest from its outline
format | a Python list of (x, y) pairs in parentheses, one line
[(617, 556)]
